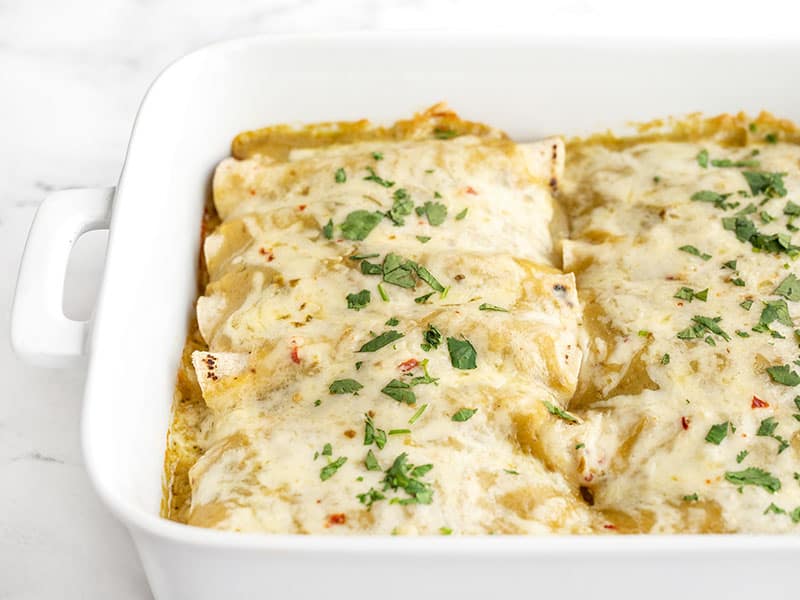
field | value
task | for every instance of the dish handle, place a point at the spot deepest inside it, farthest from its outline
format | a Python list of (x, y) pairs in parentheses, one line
[(41, 333)]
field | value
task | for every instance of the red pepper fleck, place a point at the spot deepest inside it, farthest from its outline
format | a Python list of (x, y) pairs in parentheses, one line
[(295, 357), (252, 192), (337, 519), (609, 526), (684, 422), (409, 364), (680, 303), (471, 190), (302, 207), (758, 403)]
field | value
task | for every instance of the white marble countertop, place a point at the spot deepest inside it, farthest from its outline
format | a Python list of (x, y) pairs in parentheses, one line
[(73, 74)]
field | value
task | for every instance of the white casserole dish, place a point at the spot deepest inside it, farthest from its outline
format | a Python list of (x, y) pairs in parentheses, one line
[(528, 87)]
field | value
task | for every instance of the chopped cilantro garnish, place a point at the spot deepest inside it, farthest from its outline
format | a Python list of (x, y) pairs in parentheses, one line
[(317, 402), (359, 223), (746, 304), (384, 296), (400, 391), (436, 212), (371, 462), (701, 326), (770, 184), (695, 252), (665, 359), (399, 431), (371, 497), (727, 162), (391, 322), (398, 271), (377, 155), (358, 364), (718, 200), (432, 338), (691, 497), (731, 264), (372, 434), (462, 353), (404, 476), (462, 214), (428, 278), (717, 433), (374, 177), (378, 342), (511, 471), (741, 456), (402, 207), (560, 412), (444, 133), (417, 414), (754, 476), (464, 414), (742, 334), (330, 469), (344, 386), (774, 509), (424, 298), (702, 158), (775, 310), (368, 268), (359, 300), (424, 239), (340, 176), (767, 427), (327, 450), (738, 281), (327, 230), (789, 288), (492, 307), (791, 209), (445, 530), (771, 138), (783, 374), (746, 232), (687, 293)]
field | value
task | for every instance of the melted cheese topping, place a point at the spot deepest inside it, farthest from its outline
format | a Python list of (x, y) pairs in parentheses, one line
[(678, 419), (649, 397)]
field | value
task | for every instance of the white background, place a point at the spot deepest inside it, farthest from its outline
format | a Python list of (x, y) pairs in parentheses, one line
[(71, 77)]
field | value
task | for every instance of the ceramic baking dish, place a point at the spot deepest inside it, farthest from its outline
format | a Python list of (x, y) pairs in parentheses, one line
[(529, 87)]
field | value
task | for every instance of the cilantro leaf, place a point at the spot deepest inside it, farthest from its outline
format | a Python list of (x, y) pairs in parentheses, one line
[(398, 271), (789, 288), (404, 476), (374, 177), (372, 434), (687, 293), (428, 278), (702, 158), (695, 252), (560, 412), (754, 476), (330, 469), (371, 462), (775, 310), (783, 374), (492, 307), (436, 212), (327, 230), (717, 433), (340, 176), (359, 223), (402, 207), (462, 214), (718, 200), (767, 427), (770, 184), (379, 341), (464, 414), (432, 338), (462, 353), (359, 300), (400, 391), (344, 386)]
